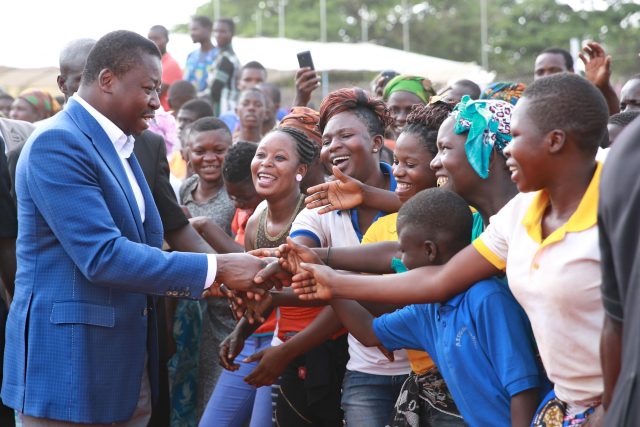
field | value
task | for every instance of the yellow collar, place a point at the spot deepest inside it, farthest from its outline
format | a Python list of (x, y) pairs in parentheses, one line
[(585, 216)]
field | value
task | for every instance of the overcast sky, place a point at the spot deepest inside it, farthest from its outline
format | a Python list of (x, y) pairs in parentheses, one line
[(33, 31)]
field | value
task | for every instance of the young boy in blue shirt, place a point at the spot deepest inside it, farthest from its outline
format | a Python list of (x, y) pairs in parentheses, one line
[(480, 340)]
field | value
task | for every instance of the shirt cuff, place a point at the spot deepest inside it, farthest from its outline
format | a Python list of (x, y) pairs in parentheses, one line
[(211, 271)]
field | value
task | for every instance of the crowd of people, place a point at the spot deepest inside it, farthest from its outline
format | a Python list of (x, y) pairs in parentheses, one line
[(178, 248)]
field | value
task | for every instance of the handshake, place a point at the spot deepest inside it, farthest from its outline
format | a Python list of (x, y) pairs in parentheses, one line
[(247, 279)]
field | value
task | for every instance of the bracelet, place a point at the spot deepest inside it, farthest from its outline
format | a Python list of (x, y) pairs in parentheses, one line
[(328, 254)]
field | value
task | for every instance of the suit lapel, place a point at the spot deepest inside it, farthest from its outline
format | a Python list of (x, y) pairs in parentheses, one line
[(105, 148)]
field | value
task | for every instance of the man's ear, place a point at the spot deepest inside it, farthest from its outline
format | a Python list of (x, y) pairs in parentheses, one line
[(431, 250), (106, 80), (555, 140), (61, 81)]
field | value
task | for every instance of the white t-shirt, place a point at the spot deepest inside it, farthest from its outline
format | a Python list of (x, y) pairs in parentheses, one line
[(557, 282), (336, 229)]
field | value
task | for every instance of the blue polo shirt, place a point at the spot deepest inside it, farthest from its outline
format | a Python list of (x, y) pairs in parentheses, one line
[(481, 342)]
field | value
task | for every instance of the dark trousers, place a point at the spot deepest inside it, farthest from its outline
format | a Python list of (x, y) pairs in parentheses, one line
[(7, 417)]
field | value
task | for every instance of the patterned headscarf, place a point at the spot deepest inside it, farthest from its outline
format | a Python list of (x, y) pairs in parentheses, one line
[(306, 120), (488, 123), (419, 86), (42, 101), (504, 91)]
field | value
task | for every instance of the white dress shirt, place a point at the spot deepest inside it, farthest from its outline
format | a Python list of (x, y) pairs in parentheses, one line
[(124, 147)]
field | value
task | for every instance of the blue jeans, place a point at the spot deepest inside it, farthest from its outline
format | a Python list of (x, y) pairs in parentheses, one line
[(233, 401), (368, 400)]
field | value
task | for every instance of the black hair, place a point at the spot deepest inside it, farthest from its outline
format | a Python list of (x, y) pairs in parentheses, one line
[(205, 124), (568, 59), (254, 65), (198, 106), (183, 87), (229, 22), (437, 214), (237, 162), (307, 149), (203, 21), (570, 103), (162, 30), (118, 51), (473, 90), (424, 122), (4, 95), (274, 91), (624, 119)]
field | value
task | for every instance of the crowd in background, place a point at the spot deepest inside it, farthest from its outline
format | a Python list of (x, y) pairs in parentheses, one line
[(497, 233)]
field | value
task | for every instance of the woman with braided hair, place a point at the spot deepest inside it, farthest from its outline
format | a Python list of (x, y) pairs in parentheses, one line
[(352, 125), (280, 164)]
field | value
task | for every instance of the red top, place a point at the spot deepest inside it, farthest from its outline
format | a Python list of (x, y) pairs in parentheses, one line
[(170, 73), (239, 224)]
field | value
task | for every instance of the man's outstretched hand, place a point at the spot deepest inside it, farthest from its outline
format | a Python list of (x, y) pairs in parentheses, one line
[(238, 270)]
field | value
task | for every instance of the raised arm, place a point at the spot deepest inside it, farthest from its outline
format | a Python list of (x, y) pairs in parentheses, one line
[(597, 67), (421, 285)]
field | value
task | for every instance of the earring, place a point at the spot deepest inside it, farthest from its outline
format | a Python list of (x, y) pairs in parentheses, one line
[(298, 177), (375, 150)]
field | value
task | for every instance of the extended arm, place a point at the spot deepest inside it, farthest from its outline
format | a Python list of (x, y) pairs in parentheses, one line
[(215, 235), (421, 285), (347, 193)]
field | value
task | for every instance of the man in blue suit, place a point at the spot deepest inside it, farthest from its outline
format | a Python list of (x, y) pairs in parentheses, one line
[(81, 335)]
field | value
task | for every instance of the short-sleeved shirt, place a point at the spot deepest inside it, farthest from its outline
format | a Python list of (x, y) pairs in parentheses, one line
[(338, 229), (197, 68), (384, 230), (481, 342), (220, 207), (557, 282)]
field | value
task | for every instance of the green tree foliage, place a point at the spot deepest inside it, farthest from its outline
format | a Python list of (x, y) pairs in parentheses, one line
[(450, 29)]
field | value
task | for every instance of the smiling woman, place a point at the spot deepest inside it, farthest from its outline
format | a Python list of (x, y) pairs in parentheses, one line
[(203, 194)]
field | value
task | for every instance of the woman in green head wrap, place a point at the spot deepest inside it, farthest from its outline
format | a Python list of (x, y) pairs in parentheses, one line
[(402, 93)]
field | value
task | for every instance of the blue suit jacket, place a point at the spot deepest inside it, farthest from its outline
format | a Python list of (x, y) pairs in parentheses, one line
[(80, 325)]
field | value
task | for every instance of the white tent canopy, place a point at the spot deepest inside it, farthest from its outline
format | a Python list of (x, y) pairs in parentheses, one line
[(280, 54), (276, 54)]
